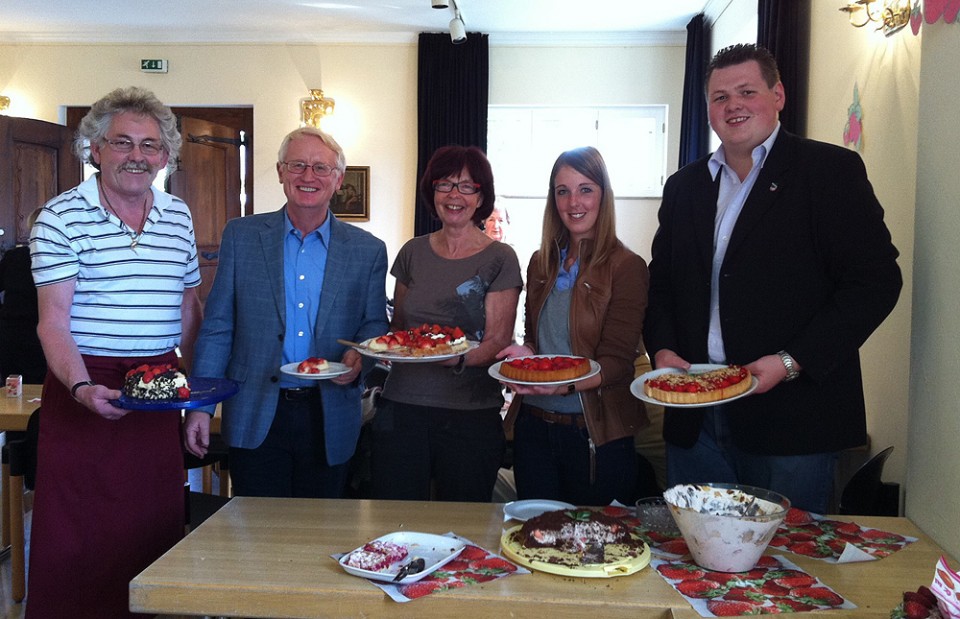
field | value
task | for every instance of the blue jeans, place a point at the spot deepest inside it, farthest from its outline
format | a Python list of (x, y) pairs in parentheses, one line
[(552, 461), (806, 480), (292, 460)]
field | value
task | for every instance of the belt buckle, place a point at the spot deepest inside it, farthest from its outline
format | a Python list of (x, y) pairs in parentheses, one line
[(296, 393)]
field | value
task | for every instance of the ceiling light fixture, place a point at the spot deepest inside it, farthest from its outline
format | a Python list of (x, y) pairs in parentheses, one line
[(315, 107), (458, 31), (889, 15), (440, 4)]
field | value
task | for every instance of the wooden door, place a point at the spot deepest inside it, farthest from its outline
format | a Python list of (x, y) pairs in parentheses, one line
[(36, 164), (207, 178)]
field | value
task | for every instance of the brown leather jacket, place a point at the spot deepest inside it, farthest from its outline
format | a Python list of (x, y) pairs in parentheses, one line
[(606, 320)]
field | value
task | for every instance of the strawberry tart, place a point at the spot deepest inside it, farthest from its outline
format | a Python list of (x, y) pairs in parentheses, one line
[(544, 369), (700, 387), (156, 382), (423, 341)]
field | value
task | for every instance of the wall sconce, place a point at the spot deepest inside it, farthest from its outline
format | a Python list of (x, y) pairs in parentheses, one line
[(4, 104), (889, 15), (315, 107)]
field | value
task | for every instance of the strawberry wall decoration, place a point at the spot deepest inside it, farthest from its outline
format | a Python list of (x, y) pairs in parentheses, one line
[(853, 131)]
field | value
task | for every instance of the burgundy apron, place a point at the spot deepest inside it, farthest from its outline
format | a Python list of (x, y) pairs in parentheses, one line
[(108, 499)]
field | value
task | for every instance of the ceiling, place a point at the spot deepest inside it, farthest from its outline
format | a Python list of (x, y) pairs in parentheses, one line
[(305, 21)]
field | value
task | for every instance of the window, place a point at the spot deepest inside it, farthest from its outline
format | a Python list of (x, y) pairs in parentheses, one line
[(523, 143)]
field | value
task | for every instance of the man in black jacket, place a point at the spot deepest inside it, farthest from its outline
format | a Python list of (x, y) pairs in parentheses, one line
[(771, 253)]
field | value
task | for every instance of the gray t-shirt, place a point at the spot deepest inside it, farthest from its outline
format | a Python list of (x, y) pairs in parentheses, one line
[(449, 292)]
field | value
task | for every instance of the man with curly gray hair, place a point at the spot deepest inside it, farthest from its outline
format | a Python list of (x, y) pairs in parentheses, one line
[(115, 264), (135, 100)]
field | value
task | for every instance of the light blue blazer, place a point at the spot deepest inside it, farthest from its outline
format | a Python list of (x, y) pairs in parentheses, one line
[(244, 324)]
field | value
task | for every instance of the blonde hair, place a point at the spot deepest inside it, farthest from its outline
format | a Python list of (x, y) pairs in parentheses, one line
[(588, 161)]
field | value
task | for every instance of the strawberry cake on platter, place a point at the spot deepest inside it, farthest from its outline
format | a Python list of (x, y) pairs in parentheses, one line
[(702, 384), (576, 542), (423, 341), (713, 385), (544, 368), (156, 382)]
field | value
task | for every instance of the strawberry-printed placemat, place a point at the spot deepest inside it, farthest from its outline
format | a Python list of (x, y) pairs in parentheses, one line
[(473, 565), (802, 533), (834, 541), (775, 585)]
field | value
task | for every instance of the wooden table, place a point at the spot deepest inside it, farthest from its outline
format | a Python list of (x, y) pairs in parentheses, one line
[(271, 558), (14, 412)]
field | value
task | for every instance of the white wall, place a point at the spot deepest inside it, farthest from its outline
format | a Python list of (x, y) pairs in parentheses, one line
[(375, 87), (933, 463)]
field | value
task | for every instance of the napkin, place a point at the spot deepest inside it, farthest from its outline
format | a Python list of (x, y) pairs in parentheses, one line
[(835, 541), (775, 585), (946, 587)]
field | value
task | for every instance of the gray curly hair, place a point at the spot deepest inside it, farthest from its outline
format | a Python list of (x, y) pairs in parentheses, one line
[(94, 126)]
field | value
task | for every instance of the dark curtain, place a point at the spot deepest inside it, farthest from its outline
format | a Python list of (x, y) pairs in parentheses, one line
[(453, 83), (783, 27), (694, 127)]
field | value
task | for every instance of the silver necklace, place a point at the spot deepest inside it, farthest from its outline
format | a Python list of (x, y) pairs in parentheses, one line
[(134, 234)]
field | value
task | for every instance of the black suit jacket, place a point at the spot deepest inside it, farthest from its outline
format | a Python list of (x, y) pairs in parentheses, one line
[(810, 269)]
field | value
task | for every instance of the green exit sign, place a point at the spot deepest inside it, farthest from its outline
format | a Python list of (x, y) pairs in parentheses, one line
[(153, 65)]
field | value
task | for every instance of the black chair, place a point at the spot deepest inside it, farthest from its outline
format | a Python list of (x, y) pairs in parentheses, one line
[(864, 493), (22, 458), (198, 506)]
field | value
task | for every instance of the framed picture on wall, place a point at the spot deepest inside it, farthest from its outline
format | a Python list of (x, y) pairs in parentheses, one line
[(352, 202)]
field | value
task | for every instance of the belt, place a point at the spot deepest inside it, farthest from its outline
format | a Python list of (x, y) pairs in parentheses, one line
[(298, 393), (564, 419)]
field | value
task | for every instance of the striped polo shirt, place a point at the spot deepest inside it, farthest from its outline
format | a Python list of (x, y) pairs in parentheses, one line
[(126, 300)]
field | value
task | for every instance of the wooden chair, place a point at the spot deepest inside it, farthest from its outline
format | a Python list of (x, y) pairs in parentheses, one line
[(863, 494), (22, 457)]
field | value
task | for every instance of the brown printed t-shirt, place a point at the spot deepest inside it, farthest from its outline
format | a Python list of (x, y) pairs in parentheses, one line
[(449, 292)]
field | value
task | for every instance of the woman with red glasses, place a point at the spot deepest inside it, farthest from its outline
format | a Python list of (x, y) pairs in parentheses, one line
[(438, 432)]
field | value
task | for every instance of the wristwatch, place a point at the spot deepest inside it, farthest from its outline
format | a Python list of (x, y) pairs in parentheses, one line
[(790, 365)]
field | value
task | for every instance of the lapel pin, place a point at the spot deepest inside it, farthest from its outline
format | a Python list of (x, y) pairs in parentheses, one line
[(773, 186)]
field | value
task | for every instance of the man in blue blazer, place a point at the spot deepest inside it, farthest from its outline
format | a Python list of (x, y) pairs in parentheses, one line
[(288, 285), (771, 253)]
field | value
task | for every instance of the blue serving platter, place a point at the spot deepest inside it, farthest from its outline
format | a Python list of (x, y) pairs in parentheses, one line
[(203, 392)]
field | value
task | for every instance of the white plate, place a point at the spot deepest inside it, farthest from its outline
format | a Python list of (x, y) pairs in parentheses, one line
[(364, 349), (636, 387), (530, 508), (495, 372), (335, 369), (435, 550)]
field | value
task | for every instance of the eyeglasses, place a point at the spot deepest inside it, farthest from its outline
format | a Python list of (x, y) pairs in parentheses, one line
[(465, 187), (299, 167), (123, 145)]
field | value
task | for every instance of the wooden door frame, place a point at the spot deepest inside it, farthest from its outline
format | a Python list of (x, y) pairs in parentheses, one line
[(235, 117)]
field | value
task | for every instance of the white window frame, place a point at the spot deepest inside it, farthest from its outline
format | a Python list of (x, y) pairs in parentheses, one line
[(524, 141)]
